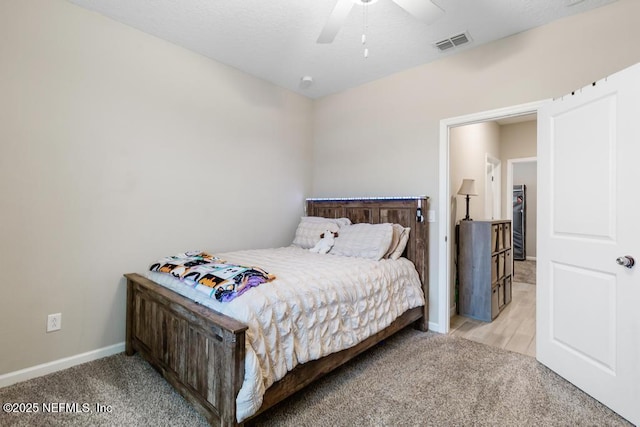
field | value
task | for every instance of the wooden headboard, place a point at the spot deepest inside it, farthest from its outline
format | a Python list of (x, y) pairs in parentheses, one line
[(406, 211)]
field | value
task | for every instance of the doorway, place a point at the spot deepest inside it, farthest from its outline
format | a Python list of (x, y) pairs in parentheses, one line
[(477, 152), (586, 294), (522, 178), (522, 173), (447, 201)]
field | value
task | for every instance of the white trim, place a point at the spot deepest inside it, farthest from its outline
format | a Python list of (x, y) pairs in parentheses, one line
[(443, 227), (531, 258), (492, 187), (443, 200), (58, 365)]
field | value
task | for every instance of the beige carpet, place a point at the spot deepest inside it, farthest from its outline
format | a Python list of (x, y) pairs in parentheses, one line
[(412, 379), (524, 272)]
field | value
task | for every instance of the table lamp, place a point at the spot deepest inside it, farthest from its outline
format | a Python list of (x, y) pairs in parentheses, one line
[(468, 188)]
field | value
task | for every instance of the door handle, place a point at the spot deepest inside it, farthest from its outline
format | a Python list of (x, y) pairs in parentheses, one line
[(626, 261)]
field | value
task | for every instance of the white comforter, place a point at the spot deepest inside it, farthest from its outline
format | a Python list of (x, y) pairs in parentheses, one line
[(318, 304)]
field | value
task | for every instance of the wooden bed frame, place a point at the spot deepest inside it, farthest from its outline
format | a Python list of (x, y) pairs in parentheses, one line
[(200, 352)]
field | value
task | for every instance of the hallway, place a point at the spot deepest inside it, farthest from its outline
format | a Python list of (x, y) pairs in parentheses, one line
[(514, 329)]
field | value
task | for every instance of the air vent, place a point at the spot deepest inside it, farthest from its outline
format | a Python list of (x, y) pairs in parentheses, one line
[(453, 41)]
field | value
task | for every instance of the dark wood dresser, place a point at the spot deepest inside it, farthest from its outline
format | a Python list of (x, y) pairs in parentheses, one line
[(485, 266)]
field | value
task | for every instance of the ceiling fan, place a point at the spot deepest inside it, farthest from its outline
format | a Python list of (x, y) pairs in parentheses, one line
[(424, 10)]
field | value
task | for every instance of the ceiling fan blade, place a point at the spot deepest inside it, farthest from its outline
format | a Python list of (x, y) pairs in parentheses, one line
[(424, 10), (335, 21)]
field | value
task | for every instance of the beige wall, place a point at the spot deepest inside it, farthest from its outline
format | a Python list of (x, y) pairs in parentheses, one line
[(517, 141), (383, 138), (119, 148), (468, 150), (108, 136)]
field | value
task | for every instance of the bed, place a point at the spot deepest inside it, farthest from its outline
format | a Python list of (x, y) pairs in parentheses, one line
[(202, 352)]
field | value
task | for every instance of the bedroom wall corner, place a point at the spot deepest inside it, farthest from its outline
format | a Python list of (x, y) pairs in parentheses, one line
[(120, 148), (382, 138)]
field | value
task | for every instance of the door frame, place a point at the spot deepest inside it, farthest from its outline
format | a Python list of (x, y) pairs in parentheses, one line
[(509, 185), (492, 187), (444, 199)]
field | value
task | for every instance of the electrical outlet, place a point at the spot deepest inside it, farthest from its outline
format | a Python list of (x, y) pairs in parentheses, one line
[(54, 322)]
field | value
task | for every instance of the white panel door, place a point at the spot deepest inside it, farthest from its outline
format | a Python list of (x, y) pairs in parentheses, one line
[(588, 306)]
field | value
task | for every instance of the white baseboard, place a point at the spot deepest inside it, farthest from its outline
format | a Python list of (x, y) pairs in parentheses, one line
[(58, 365), (435, 327)]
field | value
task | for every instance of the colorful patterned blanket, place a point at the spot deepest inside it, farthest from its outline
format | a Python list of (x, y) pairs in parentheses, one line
[(212, 275)]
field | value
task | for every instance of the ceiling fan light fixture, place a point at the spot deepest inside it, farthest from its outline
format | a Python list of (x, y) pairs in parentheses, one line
[(423, 10)]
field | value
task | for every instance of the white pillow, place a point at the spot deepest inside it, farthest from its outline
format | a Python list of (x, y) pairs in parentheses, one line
[(369, 241), (341, 222), (397, 234), (402, 244), (311, 227)]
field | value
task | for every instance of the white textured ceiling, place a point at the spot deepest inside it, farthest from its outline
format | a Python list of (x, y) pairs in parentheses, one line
[(276, 39)]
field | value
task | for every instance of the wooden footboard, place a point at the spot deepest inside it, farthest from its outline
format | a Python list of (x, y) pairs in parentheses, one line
[(200, 352)]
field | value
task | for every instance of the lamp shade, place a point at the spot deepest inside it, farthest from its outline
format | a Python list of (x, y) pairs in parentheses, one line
[(468, 188)]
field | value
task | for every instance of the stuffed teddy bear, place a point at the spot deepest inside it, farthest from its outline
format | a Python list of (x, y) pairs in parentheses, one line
[(327, 239)]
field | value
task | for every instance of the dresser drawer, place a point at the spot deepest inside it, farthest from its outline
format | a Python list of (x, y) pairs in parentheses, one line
[(495, 302), (508, 263), (507, 290), (506, 235), (483, 263), (495, 268), (495, 237)]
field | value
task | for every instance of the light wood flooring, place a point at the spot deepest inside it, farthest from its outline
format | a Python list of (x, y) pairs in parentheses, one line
[(514, 329)]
